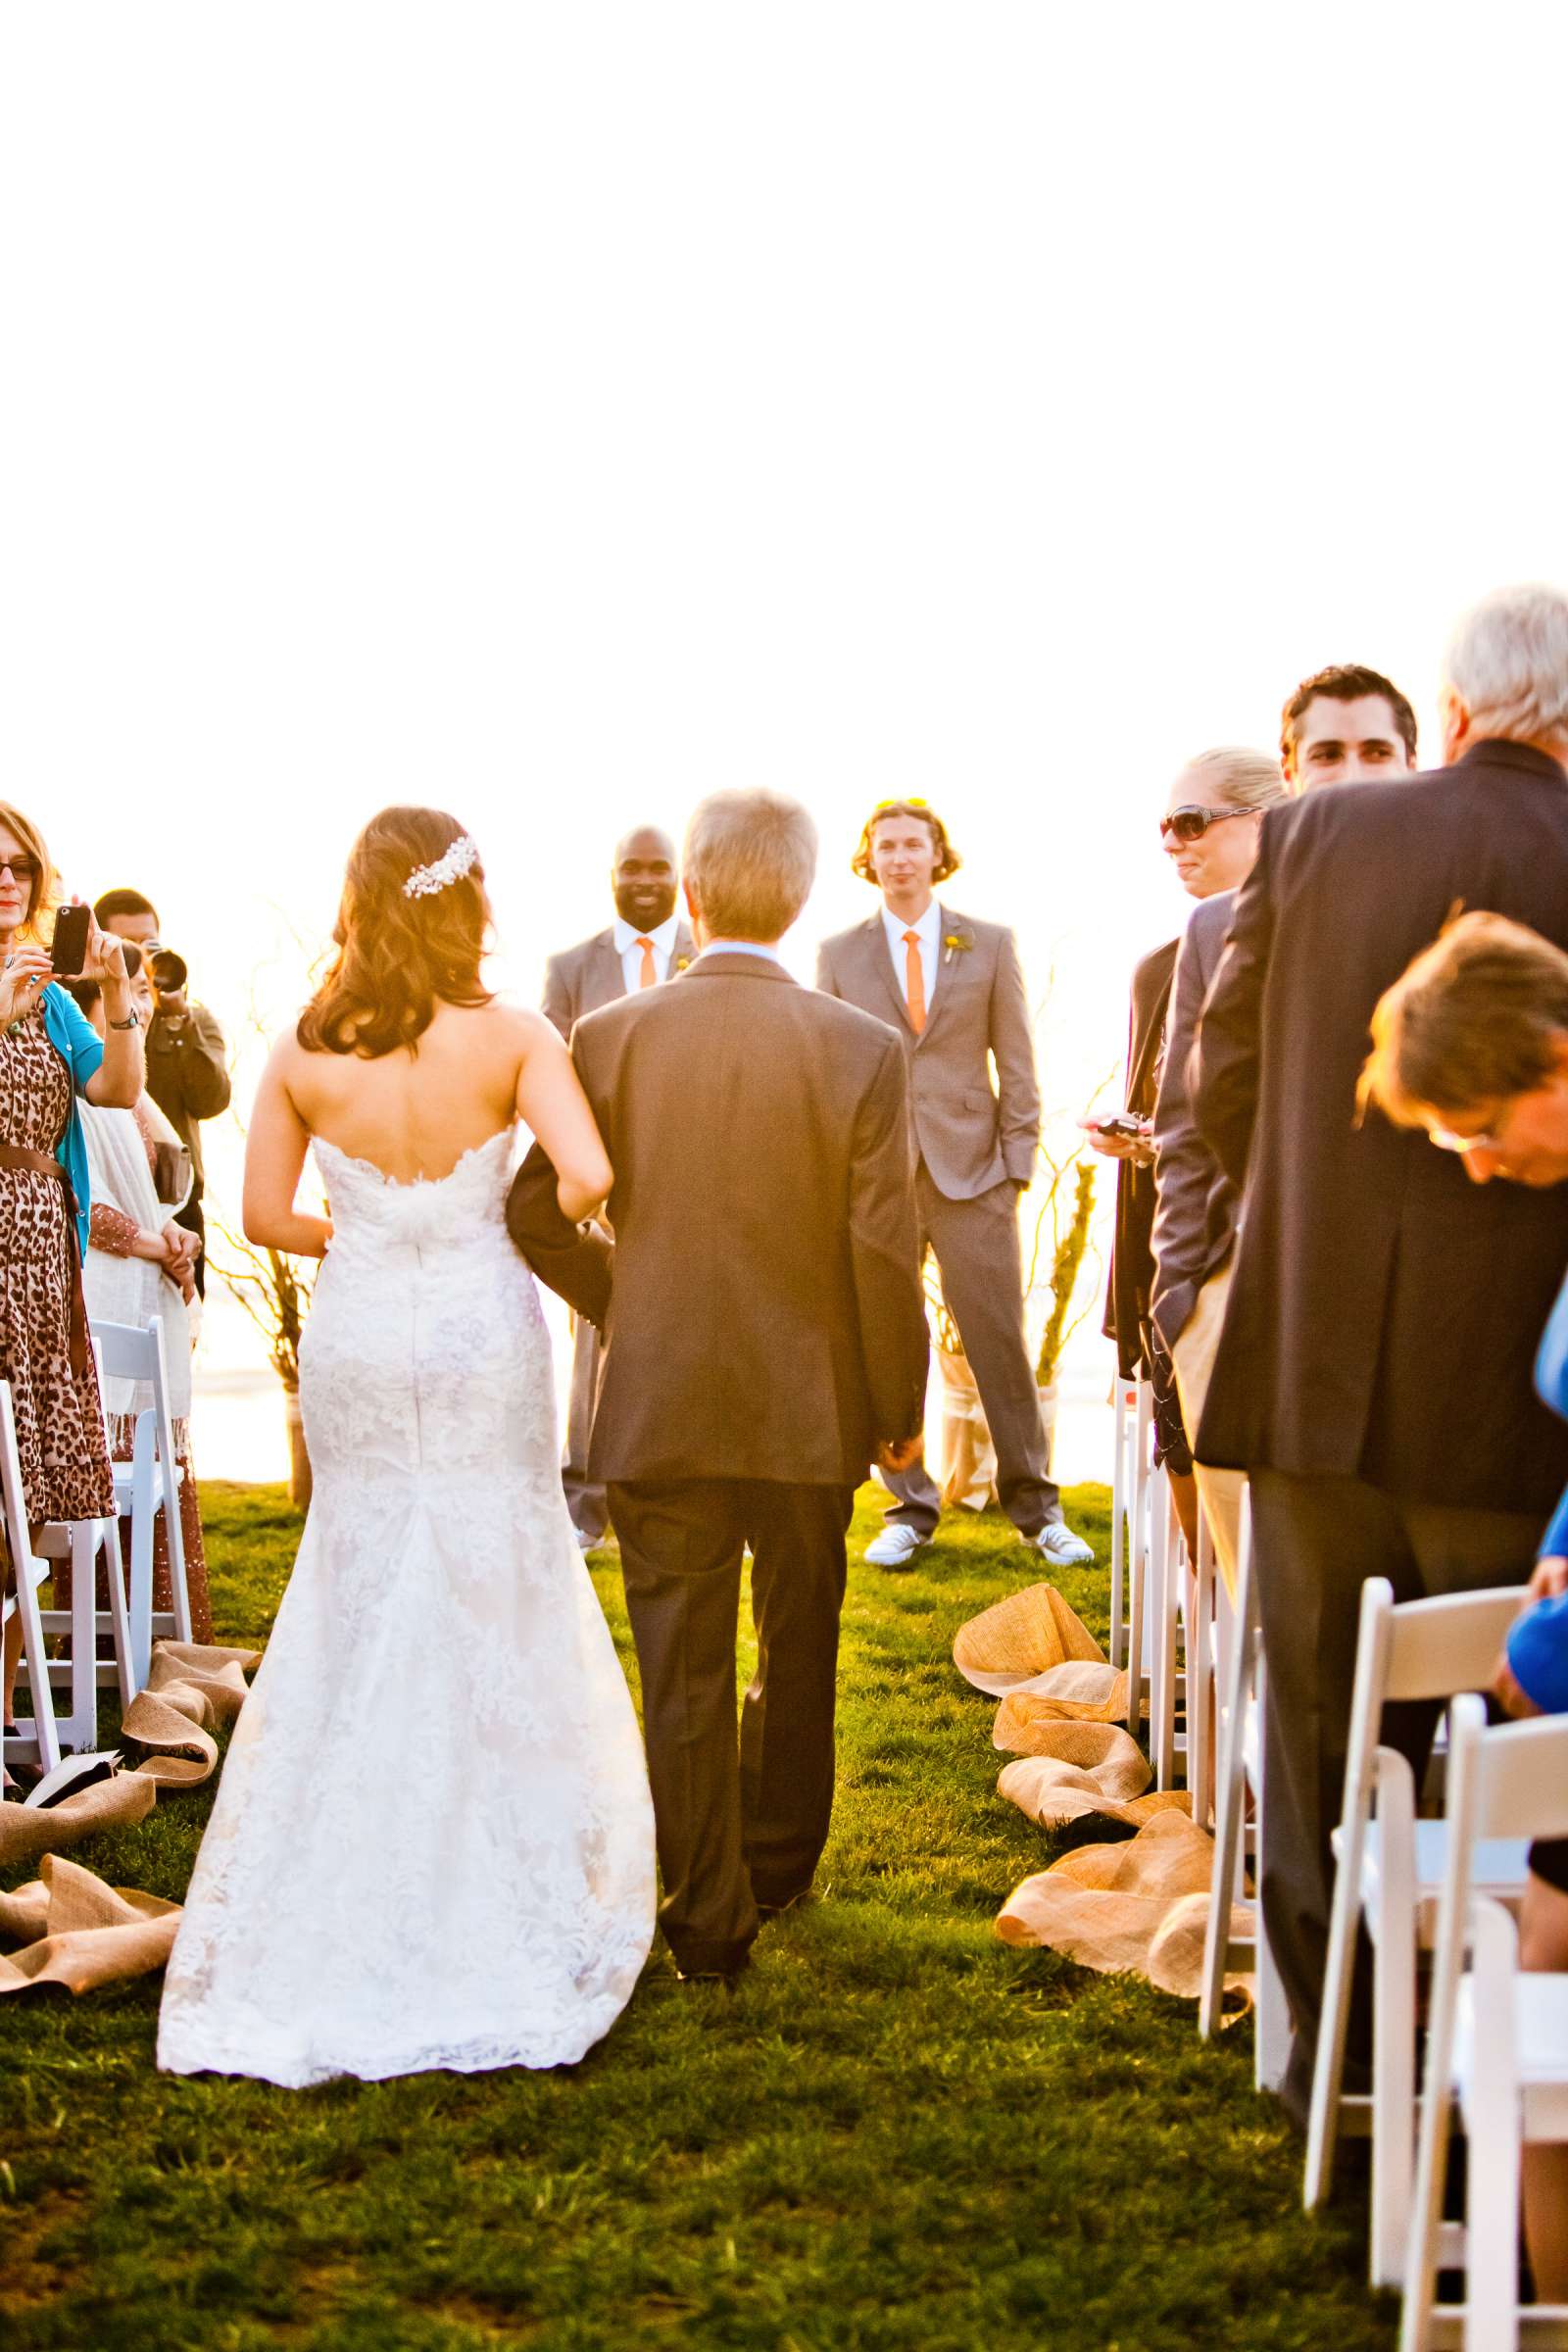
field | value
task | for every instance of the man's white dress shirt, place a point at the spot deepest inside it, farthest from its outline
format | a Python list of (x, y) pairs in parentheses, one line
[(740, 947), (928, 931), (631, 955)]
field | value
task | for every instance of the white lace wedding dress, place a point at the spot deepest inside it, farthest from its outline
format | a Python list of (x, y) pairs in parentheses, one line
[(433, 1842)]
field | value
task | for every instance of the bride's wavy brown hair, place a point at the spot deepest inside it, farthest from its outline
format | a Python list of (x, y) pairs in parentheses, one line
[(398, 958)]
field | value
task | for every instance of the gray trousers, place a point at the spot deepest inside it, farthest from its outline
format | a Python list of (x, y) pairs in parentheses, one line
[(975, 1244), (587, 1503), (1317, 1540)]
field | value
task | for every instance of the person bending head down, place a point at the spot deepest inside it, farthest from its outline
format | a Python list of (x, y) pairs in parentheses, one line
[(1471, 1043)]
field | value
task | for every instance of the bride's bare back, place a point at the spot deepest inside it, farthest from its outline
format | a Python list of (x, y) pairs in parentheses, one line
[(415, 1113)]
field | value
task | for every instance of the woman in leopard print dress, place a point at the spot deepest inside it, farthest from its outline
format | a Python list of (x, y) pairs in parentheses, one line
[(49, 1055)]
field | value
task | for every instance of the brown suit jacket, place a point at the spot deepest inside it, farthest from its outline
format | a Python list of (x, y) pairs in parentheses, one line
[(971, 1136), (761, 1303)]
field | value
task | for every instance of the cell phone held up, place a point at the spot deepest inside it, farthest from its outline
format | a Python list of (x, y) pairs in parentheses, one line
[(1120, 1124), (68, 951)]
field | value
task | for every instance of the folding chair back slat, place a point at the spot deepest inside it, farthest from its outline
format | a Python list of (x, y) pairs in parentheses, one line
[(1523, 1790), (1441, 1646)]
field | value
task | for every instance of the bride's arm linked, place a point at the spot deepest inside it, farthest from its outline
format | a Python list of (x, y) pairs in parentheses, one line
[(548, 1203), (275, 1157), (554, 1108)]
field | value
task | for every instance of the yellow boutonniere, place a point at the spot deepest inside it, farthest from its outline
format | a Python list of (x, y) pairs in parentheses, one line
[(956, 943), (683, 964)]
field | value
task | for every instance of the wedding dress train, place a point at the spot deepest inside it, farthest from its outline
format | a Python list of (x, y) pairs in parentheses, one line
[(433, 1842)]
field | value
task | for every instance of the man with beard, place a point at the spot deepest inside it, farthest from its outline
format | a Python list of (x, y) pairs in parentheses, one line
[(646, 944)]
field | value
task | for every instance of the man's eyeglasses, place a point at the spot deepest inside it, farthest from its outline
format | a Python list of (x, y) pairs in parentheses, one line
[(1446, 1141), (1192, 823), (21, 869)]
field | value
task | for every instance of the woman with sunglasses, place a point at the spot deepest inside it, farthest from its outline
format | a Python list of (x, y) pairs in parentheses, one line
[(1209, 832), (49, 1058)]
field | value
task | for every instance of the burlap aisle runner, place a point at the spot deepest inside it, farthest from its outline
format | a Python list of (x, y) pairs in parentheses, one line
[(74, 1929), (82, 1932), (1141, 1905)]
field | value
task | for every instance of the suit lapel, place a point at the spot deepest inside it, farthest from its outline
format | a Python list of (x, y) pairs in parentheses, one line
[(611, 978), (945, 971), (879, 966)]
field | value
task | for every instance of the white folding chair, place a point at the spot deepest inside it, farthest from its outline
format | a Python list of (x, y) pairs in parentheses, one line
[(1199, 1675), (1139, 1481), (149, 1483), (1496, 2042), (1390, 1869), (1240, 1769), (1166, 1606), (37, 1730), (83, 1543), (1121, 1545)]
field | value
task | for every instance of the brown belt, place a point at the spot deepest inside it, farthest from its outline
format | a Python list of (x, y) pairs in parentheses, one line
[(13, 1155)]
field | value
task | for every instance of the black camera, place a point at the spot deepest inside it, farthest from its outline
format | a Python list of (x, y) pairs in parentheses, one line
[(170, 971)]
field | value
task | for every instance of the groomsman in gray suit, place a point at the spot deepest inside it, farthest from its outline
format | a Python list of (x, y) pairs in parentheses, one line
[(646, 944), (954, 991)]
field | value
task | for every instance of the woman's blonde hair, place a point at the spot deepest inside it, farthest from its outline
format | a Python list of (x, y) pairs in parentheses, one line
[(44, 897), (1241, 777)]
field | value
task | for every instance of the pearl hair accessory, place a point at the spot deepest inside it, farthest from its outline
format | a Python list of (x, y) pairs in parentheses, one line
[(426, 880)]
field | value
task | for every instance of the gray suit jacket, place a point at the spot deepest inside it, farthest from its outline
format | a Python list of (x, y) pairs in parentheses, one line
[(1195, 1203), (582, 978), (970, 1134)]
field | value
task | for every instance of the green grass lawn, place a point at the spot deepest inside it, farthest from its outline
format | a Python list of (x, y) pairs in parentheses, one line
[(896, 2133)]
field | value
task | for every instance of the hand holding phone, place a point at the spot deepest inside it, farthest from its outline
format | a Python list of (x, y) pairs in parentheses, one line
[(68, 952)]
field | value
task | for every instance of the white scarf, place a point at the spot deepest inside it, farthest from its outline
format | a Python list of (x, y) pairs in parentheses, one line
[(131, 1290)]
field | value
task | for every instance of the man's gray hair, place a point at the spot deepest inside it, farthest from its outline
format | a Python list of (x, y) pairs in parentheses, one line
[(1507, 662), (1239, 777), (749, 860)]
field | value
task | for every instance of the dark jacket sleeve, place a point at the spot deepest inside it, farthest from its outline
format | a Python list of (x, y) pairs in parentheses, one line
[(575, 1261), (885, 1248), (556, 998), (192, 1062), (1222, 1071), (1185, 1174), (1012, 1047)]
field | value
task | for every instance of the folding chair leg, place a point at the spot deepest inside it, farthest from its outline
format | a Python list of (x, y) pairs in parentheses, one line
[(109, 1552), (1229, 1818), (36, 1659), (1329, 2063)]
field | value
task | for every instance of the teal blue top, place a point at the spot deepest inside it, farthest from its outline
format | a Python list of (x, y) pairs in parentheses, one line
[(81, 1048)]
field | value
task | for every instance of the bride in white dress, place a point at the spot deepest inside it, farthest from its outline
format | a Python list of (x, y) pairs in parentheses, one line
[(433, 1843)]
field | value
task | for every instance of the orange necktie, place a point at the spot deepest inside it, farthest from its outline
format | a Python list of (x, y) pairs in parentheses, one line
[(649, 978), (914, 981)]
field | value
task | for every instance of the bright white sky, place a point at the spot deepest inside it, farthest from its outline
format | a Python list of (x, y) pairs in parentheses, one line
[(556, 413)]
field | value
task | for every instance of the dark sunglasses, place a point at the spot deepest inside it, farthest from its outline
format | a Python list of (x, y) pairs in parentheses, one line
[(21, 869), (1192, 823)]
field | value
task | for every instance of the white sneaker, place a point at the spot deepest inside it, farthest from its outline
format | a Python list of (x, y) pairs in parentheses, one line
[(896, 1546), (1061, 1544)]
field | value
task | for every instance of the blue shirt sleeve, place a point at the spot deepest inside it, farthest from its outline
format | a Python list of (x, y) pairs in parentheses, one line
[(82, 1046), (1538, 1652)]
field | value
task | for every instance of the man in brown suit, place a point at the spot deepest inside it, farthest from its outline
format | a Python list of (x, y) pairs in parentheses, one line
[(764, 1330), (954, 991), (646, 944)]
